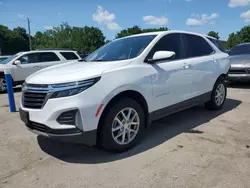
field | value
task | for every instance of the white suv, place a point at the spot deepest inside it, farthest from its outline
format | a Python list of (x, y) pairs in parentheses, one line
[(23, 64), (124, 86)]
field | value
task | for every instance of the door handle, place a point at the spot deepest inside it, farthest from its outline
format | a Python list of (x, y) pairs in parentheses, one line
[(186, 66)]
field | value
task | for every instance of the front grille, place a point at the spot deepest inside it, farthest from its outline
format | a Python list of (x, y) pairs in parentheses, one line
[(33, 99), (45, 129), (67, 118), (240, 71)]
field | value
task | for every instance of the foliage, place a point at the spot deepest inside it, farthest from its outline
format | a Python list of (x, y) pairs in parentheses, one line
[(233, 40), (137, 30), (214, 34), (83, 39), (86, 39), (13, 41)]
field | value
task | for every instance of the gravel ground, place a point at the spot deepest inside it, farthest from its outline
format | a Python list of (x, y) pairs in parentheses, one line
[(193, 148)]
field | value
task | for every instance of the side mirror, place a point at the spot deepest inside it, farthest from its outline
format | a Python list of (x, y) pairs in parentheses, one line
[(17, 62), (161, 55)]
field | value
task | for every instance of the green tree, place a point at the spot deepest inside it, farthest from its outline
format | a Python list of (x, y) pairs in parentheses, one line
[(154, 29), (83, 39), (137, 30), (13, 41), (233, 40), (244, 34), (214, 34)]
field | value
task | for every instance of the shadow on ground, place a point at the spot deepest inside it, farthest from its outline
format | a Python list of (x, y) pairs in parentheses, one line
[(159, 132)]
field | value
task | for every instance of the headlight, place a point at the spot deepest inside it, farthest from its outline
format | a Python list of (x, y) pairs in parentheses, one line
[(72, 88)]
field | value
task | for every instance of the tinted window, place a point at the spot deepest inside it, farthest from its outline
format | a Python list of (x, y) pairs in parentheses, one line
[(69, 55), (170, 42), (196, 46), (125, 48), (217, 43), (8, 59), (240, 50), (2, 58), (28, 58), (48, 56)]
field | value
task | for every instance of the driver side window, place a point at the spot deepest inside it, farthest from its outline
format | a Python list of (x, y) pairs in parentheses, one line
[(28, 58), (170, 42)]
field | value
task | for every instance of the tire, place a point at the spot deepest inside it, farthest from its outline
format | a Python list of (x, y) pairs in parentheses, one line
[(3, 86), (214, 104), (107, 134)]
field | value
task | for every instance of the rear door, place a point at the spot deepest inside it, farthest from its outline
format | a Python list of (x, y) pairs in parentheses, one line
[(47, 59), (200, 56)]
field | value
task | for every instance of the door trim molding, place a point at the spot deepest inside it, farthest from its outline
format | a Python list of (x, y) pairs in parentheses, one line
[(201, 99)]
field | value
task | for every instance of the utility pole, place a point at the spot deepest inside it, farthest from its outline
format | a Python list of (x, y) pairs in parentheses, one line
[(29, 32)]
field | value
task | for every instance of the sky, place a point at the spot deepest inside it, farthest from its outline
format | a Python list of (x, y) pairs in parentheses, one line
[(111, 16)]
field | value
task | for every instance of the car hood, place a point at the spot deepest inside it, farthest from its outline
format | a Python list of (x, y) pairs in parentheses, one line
[(239, 59), (73, 71)]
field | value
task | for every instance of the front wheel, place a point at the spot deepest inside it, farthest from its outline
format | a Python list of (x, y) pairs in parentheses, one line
[(218, 96), (122, 127)]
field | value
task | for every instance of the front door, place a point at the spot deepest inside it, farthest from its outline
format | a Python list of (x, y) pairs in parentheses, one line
[(172, 81), (27, 67)]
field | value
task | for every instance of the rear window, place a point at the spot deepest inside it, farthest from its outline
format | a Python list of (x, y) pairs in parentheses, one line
[(69, 55), (240, 50), (196, 46), (47, 56), (217, 43)]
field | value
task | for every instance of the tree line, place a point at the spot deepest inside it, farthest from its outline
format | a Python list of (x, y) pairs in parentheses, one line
[(85, 39)]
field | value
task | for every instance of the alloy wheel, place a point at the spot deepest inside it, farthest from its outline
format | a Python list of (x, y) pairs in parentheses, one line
[(219, 94), (125, 126)]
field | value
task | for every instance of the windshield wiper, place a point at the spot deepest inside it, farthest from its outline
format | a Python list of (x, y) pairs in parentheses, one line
[(81, 60), (98, 60)]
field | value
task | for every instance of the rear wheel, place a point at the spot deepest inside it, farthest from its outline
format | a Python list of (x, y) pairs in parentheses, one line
[(3, 85), (122, 127), (218, 95)]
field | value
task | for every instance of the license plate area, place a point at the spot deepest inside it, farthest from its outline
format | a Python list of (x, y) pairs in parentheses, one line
[(24, 115)]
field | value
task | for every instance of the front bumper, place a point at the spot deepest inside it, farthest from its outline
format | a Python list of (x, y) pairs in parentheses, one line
[(44, 121), (74, 135), (88, 138)]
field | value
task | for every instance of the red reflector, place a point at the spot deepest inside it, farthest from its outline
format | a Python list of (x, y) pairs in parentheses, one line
[(98, 110)]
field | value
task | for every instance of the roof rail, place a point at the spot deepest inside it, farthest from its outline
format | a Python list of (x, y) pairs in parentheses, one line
[(66, 49)]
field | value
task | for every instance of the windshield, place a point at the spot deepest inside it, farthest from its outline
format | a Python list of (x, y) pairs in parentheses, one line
[(3, 58), (240, 50), (8, 59), (126, 48)]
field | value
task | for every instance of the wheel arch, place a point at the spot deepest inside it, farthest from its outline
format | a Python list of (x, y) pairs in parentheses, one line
[(135, 95)]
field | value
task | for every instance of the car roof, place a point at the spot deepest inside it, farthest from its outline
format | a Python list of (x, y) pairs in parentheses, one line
[(37, 51), (167, 32), (243, 44)]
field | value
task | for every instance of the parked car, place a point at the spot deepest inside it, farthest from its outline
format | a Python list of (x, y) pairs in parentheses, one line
[(239, 58), (3, 57), (112, 97), (23, 64)]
